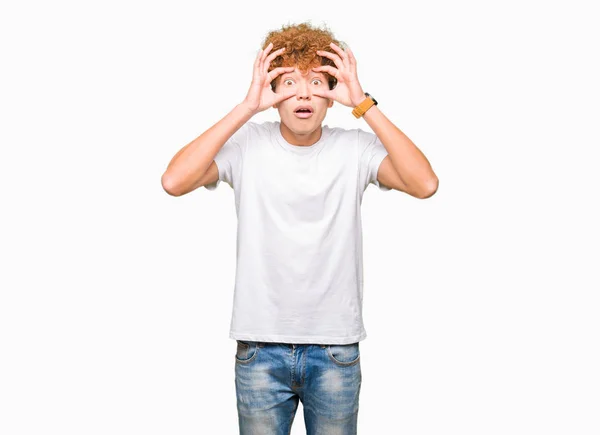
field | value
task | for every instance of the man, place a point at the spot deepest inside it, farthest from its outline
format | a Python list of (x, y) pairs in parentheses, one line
[(298, 186)]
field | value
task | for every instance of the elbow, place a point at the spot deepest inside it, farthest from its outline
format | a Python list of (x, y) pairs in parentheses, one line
[(429, 189), (169, 186)]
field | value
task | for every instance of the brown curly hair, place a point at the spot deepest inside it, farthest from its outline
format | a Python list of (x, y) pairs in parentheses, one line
[(301, 42)]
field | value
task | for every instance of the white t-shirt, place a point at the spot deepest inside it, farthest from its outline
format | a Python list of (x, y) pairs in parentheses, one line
[(299, 273)]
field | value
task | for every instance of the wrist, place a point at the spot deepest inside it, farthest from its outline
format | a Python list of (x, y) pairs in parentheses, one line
[(358, 98), (364, 106), (245, 107)]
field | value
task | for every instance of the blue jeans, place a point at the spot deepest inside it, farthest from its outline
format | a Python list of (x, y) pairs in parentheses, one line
[(270, 379)]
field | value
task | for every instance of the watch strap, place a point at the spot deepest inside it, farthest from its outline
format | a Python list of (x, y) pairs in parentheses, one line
[(365, 105)]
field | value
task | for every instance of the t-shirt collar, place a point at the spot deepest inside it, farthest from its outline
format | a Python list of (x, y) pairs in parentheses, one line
[(300, 149)]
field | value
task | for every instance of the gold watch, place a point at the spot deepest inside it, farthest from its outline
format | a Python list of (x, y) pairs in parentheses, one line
[(365, 105)]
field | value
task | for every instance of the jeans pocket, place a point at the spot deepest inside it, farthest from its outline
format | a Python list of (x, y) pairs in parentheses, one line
[(344, 354), (246, 351)]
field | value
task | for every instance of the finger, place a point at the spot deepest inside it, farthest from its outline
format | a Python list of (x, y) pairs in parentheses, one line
[(275, 54), (328, 69), (271, 57), (266, 51), (341, 52), (272, 75), (336, 59), (323, 93), (351, 59), (284, 96), (262, 58), (257, 63)]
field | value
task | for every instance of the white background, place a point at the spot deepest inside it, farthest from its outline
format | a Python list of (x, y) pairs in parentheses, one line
[(481, 303)]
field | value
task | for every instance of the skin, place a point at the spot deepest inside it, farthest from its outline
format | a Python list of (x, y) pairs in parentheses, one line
[(405, 168), (292, 89), (260, 96), (295, 130), (312, 89)]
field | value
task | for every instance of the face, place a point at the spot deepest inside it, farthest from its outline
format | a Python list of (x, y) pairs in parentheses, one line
[(304, 85)]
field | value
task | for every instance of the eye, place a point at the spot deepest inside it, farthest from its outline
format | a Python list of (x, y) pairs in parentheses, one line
[(288, 80), (317, 80)]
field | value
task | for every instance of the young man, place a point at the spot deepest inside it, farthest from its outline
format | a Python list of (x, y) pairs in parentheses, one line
[(298, 187)]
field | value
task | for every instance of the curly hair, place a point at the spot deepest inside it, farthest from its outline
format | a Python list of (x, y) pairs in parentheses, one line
[(301, 42)]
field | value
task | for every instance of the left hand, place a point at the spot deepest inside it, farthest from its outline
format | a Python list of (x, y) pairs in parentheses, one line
[(347, 90)]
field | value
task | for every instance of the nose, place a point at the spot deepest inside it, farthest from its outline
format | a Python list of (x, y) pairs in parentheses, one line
[(303, 92)]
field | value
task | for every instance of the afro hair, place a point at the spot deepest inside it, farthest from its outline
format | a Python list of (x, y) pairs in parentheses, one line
[(301, 42)]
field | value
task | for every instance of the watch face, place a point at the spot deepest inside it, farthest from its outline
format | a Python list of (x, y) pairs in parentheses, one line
[(371, 97)]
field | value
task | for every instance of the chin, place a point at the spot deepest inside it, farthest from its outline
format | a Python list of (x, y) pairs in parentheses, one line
[(305, 127)]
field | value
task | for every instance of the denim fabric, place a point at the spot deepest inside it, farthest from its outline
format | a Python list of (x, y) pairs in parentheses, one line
[(270, 379)]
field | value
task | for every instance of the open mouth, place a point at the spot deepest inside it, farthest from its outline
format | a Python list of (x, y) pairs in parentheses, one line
[(303, 113)]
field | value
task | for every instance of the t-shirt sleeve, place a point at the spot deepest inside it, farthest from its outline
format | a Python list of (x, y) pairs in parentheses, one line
[(230, 157), (371, 154)]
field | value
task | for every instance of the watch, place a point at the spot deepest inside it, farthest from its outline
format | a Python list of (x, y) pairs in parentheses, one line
[(365, 105)]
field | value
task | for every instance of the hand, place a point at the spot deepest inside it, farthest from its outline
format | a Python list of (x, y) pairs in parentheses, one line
[(347, 91), (260, 95)]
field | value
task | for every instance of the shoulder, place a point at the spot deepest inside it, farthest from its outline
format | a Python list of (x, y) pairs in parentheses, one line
[(251, 132), (365, 137), (260, 127), (356, 134), (260, 130), (341, 134), (360, 140)]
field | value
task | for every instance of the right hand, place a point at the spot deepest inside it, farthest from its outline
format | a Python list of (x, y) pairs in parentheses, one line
[(261, 96)]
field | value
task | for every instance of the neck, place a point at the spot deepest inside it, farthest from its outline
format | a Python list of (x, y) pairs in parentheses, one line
[(300, 139)]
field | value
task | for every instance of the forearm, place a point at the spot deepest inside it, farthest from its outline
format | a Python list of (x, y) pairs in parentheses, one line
[(193, 160), (410, 163)]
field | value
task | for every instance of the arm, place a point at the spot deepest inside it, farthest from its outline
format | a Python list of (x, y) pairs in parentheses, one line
[(188, 168), (405, 167)]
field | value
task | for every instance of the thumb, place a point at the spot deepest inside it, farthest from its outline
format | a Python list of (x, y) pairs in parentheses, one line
[(323, 93), (284, 96)]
